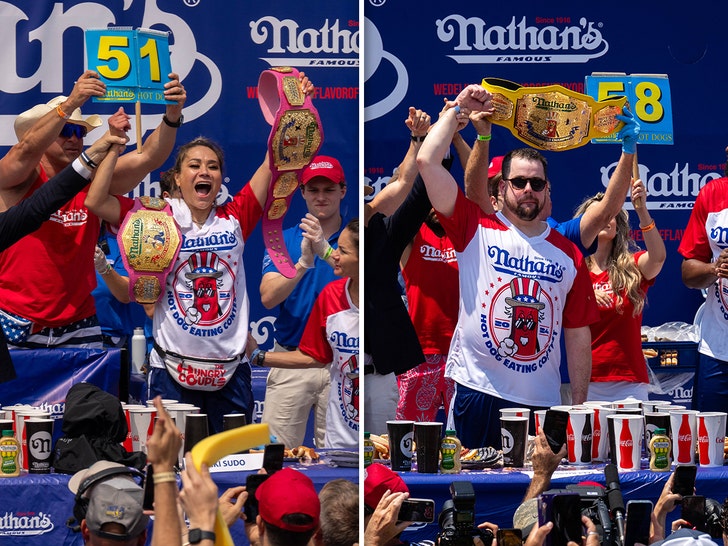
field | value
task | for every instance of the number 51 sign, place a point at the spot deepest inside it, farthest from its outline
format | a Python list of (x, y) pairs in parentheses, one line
[(133, 63), (649, 100)]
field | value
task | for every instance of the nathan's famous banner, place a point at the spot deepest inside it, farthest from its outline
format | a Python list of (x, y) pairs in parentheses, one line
[(219, 50), (445, 47)]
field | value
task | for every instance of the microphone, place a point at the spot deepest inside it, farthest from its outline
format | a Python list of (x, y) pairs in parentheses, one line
[(615, 500)]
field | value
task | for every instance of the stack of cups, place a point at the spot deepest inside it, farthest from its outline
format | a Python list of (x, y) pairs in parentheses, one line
[(684, 435), (514, 436), (626, 435), (196, 429), (711, 437), (600, 429), (427, 441), (22, 415), (579, 435), (401, 441), (141, 426), (179, 412), (39, 444)]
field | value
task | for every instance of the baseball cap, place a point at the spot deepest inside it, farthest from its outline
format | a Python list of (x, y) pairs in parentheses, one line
[(377, 479), (495, 166), (287, 492), (28, 118), (325, 166), (686, 537), (117, 499)]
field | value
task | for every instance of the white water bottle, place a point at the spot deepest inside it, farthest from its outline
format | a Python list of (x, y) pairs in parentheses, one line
[(138, 350)]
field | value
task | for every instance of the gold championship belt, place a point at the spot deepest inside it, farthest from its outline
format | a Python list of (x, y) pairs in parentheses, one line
[(149, 240), (295, 137), (552, 118)]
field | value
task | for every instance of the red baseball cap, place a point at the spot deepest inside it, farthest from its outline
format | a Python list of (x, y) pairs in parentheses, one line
[(326, 166), (495, 166), (287, 492), (377, 479)]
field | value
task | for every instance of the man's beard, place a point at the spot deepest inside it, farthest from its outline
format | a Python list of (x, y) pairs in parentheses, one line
[(526, 214)]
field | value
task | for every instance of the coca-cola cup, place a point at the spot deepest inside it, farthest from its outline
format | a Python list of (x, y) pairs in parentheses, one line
[(39, 441), (579, 436), (401, 441), (655, 420), (538, 418), (628, 403), (428, 435), (6, 424), (600, 433), (684, 435), (514, 439), (165, 402), (141, 425), (628, 441), (711, 437), (127, 443), (21, 417), (649, 406), (516, 412)]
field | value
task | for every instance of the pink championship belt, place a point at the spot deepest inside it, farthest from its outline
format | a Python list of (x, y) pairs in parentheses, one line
[(149, 240), (295, 138)]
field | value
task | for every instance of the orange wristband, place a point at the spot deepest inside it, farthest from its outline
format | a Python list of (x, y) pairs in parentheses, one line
[(648, 227), (61, 113)]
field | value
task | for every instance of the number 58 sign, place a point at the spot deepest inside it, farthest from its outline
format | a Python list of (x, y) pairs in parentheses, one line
[(649, 100), (133, 63)]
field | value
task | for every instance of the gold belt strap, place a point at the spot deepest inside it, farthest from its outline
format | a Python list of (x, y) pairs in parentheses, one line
[(552, 118)]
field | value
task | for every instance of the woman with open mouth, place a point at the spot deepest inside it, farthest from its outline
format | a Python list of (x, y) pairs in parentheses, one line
[(201, 318)]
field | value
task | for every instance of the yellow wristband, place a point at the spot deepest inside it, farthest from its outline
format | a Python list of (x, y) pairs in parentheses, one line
[(648, 227), (164, 477), (328, 252)]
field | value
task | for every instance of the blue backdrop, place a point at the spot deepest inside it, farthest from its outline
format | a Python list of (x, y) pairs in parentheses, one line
[(219, 49), (418, 53)]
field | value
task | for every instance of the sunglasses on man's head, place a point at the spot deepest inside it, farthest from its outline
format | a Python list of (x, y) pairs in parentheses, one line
[(519, 182), (71, 129)]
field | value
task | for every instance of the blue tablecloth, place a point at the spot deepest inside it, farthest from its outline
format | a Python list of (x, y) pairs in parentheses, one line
[(35, 507), (499, 492)]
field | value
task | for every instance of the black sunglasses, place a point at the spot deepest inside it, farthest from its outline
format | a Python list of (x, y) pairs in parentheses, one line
[(519, 182), (71, 129)]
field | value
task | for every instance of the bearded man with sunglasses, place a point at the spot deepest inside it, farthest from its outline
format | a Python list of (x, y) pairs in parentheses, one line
[(523, 286), (46, 279)]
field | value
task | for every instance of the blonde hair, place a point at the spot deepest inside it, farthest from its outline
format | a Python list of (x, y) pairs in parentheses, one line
[(623, 272)]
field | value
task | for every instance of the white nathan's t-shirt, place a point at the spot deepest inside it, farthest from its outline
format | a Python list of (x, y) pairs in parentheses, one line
[(517, 294)]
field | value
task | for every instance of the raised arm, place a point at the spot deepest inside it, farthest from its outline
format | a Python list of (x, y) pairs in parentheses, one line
[(99, 199), (23, 158), (601, 212), (650, 263), (391, 197), (476, 170), (133, 166)]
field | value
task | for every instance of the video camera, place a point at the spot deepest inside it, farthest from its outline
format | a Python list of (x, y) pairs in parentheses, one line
[(593, 503), (457, 519)]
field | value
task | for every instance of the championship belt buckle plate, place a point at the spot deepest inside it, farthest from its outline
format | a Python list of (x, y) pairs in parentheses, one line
[(552, 118), (295, 138), (150, 241)]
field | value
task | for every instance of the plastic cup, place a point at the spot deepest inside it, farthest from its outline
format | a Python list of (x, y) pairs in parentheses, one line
[(21, 417), (196, 429), (514, 439), (628, 441), (141, 421), (401, 441), (684, 435), (39, 444), (628, 403), (600, 433), (428, 435), (579, 436), (711, 437), (655, 420)]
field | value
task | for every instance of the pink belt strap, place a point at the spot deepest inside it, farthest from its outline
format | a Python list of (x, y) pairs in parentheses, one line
[(295, 138)]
